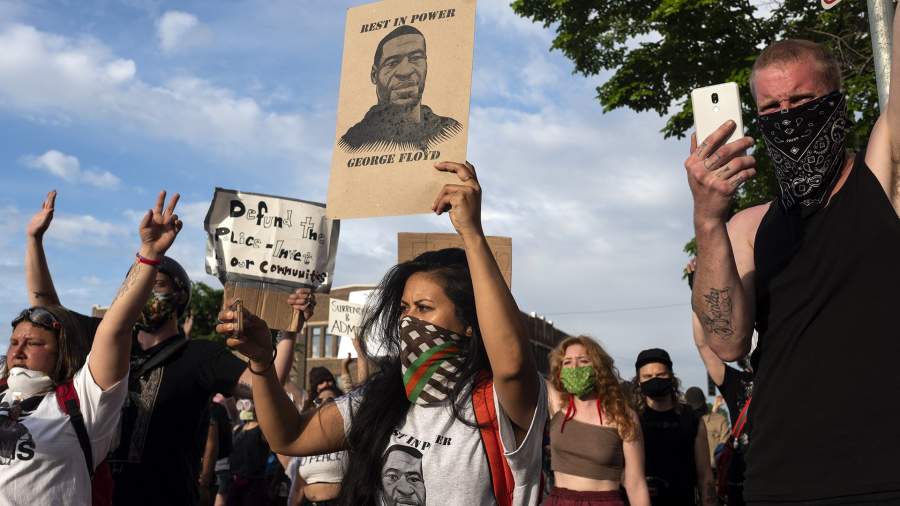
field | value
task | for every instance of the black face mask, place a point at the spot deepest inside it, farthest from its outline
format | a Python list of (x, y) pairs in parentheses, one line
[(657, 387), (807, 147)]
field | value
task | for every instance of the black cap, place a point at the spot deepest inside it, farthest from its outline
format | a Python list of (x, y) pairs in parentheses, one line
[(653, 355), (695, 398)]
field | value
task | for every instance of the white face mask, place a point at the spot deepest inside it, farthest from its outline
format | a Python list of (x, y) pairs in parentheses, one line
[(24, 383)]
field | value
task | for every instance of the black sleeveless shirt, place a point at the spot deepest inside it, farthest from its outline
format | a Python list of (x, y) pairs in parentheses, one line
[(825, 421)]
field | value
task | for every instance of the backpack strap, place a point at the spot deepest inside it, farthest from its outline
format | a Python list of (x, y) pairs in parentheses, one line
[(486, 417), (67, 398), (741, 420), (160, 357)]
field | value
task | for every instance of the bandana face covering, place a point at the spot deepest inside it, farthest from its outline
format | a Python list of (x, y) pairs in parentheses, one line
[(158, 309), (577, 380), (806, 145), (430, 358)]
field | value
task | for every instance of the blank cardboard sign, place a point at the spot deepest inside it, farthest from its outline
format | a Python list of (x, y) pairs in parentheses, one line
[(410, 245), (267, 301), (403, 105)]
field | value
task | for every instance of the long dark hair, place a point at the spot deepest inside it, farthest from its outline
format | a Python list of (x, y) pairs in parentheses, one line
[(384, 403)]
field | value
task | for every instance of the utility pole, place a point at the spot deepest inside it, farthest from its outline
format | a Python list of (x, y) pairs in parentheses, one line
[(881, 18)]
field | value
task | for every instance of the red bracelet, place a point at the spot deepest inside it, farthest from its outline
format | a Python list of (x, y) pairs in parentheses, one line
[(147, 261)]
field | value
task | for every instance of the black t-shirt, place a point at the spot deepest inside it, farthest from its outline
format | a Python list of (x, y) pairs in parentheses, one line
[(736, 388), (166, 419), (826, 290), (250, 454), (671, 471), (219, 415)]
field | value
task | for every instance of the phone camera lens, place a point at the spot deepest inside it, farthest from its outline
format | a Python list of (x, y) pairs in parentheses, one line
[(715, 98)]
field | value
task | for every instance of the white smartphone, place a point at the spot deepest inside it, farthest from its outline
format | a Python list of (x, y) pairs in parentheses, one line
[(713, 106)]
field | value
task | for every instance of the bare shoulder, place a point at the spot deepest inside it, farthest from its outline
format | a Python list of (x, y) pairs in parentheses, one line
[(743, 226)]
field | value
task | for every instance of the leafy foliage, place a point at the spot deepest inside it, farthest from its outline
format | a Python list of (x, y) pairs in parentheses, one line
[(659, 50), (206, 302)]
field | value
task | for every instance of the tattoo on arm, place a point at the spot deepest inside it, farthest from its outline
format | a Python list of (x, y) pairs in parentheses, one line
[(717, 315), (41, 295), (129, 282)]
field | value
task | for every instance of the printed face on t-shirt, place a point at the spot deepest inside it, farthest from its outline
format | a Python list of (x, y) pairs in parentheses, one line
[(401, 477), (32, 347), (424, 298)]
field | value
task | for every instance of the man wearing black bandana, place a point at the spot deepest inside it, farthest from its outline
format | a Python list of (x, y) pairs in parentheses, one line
[(171, 380), (815, 272)]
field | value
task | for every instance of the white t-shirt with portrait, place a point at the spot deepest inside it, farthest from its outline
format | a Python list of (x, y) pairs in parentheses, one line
[(434, 459), (41, 461)]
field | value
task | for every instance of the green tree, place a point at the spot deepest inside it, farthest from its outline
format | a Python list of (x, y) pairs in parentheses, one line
[(206, 302), (659, 50)]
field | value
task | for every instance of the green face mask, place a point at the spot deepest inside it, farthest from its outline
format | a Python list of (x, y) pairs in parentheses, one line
[(577, 380)]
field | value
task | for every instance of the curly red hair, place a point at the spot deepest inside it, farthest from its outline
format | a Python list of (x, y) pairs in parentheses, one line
[(607, 387)]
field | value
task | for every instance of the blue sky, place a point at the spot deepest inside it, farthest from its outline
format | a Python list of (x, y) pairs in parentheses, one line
[(110, 101)]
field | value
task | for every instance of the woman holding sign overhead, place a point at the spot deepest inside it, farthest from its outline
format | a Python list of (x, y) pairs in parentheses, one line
[(455, 414)]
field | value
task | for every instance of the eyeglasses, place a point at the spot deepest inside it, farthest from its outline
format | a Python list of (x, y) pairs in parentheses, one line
[(318, 402), (38, 316), (244, 404)]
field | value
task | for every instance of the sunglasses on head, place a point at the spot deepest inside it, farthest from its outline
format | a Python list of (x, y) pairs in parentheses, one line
[(38, 316)]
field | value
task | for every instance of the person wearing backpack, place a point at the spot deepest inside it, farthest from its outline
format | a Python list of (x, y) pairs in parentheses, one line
[(165, 419), (736, 387), (59, 408), (455, 414)]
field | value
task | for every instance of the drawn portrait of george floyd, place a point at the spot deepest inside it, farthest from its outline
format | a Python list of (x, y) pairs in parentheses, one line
[(399, 121)]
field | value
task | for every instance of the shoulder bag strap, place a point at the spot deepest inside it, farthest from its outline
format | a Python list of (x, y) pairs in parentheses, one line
[(67, 398)]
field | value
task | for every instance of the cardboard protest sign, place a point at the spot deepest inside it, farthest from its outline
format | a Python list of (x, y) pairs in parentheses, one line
[(263, 247), (403, 105), (410, 245), (357, 298), (344, 319)]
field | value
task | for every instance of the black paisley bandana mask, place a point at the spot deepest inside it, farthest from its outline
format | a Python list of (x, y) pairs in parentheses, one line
[(807, 147)]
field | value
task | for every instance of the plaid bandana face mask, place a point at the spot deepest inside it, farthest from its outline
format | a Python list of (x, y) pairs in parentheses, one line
[(430, 358)]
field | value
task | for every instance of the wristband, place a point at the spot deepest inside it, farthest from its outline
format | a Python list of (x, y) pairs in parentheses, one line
[(268, 366), (147, 261)]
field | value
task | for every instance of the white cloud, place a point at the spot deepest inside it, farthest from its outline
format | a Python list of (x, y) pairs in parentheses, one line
[(87, 230), (68, 168), (61, 79), (177, 30)]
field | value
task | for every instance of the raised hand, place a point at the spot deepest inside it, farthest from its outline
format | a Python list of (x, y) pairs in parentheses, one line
[(303, 300), (254, 342), (462, 200), (159, 227), (40, 222), (716, 170)]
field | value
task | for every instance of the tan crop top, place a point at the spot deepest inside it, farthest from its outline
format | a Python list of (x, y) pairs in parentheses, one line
[(586, 450)]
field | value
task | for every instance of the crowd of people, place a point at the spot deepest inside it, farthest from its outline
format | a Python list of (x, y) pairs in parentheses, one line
[(129, 410)]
